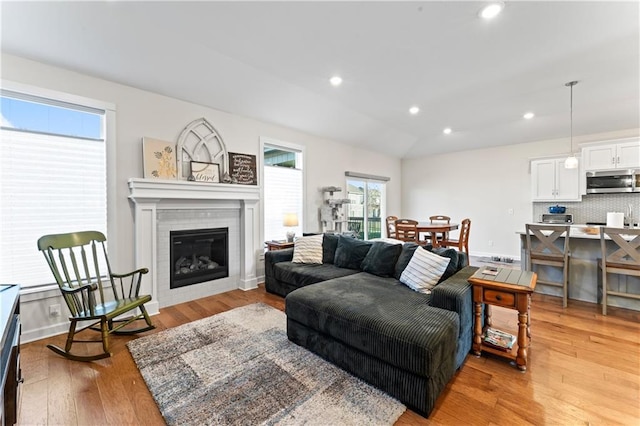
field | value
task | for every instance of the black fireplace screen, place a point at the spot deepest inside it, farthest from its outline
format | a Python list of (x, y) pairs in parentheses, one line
[(198, 255)]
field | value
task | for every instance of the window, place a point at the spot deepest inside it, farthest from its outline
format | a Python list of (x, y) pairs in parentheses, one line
[(52, 178), (368, 204), (283, 188)]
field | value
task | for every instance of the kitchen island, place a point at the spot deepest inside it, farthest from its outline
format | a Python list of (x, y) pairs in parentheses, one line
[(584, 275)]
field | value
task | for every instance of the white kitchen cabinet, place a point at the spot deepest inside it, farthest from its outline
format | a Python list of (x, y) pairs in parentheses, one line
[(628, 155), (622, 155), (550, 181)]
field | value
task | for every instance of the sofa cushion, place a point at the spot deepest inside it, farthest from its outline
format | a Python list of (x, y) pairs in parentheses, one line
[(329, 246), (404, 258), (350, 252), (381, 259), (301, 274), (308, 249), (380, 317), (453, 265), (424, 270)]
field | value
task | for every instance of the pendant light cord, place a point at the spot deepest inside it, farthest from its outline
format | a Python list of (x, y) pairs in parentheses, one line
[(571, 116), (571, 84)]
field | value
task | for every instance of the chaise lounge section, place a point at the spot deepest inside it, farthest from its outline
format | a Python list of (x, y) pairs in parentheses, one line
[(407, 343)]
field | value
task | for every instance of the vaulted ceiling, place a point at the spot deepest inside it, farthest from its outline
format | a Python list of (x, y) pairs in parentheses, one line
[(272, 61)]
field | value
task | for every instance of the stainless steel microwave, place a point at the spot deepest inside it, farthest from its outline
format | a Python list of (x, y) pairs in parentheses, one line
[(612, 181)]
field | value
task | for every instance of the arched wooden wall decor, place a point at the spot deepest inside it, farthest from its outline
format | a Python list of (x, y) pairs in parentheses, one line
[(200, 141)]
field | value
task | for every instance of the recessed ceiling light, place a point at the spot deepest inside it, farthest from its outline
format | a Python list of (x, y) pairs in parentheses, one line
[(447, 131), (491, 10), (414, 110), (529, 115), (336, 80)]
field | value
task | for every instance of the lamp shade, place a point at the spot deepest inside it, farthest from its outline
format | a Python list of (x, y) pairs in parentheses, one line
[(290, 219)]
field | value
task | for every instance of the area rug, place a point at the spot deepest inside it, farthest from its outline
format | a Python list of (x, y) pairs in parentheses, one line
[(239, 368)]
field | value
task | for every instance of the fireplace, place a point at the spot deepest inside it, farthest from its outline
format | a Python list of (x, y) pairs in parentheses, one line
[(198, 255), (162, 206)]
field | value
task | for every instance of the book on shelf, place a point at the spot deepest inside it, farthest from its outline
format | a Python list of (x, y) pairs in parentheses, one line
[(499, 339), (490, 270)]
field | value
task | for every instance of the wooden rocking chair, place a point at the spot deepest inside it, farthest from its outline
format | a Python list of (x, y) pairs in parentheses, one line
[(76, 260)]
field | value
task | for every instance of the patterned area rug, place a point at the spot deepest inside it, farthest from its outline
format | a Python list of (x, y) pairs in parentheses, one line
[(238, 367)]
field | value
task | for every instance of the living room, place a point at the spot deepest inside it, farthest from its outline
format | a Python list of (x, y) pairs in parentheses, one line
[(491, 183)]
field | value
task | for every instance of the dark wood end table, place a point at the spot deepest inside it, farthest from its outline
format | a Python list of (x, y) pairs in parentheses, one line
[(510, 288), (278, 245)]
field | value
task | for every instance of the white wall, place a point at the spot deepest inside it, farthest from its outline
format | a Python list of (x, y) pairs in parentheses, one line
[(483, 185), (140, 113)]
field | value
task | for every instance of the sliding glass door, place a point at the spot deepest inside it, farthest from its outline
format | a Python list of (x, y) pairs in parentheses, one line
[(367, 207)]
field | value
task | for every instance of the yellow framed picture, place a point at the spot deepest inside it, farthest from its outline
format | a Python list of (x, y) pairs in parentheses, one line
[(159, 159)]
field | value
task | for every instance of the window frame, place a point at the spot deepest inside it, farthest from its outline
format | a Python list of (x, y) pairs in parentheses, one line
[(289, 146), (110, 152)]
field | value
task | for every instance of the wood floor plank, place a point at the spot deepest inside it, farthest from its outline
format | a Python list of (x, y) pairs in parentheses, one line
[(583, 369), (60, 402)]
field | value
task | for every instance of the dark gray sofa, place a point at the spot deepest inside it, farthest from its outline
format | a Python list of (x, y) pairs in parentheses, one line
[(406, 343)]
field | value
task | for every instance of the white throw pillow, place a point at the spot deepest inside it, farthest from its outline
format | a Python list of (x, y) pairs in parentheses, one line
[(308, 249), (424, 270)]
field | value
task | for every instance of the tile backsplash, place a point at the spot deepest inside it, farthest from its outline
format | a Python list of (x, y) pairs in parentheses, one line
[(594, 207)]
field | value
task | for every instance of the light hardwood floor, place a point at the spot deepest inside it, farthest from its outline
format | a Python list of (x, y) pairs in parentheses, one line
[(584, 369)]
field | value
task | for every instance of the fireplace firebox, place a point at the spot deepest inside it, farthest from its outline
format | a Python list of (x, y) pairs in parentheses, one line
[(198, 255)]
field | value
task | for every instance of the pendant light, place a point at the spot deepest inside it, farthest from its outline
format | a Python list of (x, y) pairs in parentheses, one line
[(572, 161)]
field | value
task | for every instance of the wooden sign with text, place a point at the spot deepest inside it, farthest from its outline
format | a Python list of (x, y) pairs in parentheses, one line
[(242, 169)]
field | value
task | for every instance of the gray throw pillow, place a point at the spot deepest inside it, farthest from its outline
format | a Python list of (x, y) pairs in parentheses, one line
[(329, 246), (381, 259), (350, 252), (404, 258), (452, 254)]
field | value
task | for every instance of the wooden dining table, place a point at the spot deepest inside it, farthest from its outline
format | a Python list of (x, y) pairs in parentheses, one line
[(434, 229)]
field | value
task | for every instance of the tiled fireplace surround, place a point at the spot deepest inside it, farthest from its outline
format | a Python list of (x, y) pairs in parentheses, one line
[(162, 206)]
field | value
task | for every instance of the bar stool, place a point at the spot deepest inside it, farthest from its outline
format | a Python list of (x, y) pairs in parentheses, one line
[(624, 260), (542, 250)]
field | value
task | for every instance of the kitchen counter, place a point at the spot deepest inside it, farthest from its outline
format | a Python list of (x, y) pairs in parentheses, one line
[(584, 276), (582, 231)]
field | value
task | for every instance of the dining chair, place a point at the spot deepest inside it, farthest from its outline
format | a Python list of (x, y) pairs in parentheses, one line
[(439, 218), (391, 226), (407, 230), (623, 259), (462, 243), (542, 250)]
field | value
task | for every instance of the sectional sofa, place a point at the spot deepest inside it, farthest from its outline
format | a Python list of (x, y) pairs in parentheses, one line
[(353, 309)]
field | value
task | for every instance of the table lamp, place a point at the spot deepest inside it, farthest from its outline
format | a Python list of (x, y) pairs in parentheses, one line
[(290, 220)]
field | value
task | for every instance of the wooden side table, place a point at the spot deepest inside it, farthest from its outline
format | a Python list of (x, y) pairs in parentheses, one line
[(510, 288), (278, 245)]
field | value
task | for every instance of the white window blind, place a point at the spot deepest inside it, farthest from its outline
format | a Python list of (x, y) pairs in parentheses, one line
[(48, 184), (282, 194)]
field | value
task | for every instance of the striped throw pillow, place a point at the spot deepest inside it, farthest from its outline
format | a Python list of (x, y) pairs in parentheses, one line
[(308, 249), (424, 271)]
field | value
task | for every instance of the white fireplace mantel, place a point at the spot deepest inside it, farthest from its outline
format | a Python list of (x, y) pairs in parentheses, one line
[(142, 190), (151, 195)]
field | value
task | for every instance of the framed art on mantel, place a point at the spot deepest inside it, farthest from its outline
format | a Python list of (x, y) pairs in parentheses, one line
[(158, 159), (205, 172), (242, 168)]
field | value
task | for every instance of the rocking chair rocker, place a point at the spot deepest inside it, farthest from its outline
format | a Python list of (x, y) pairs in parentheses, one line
[(76, 259)]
